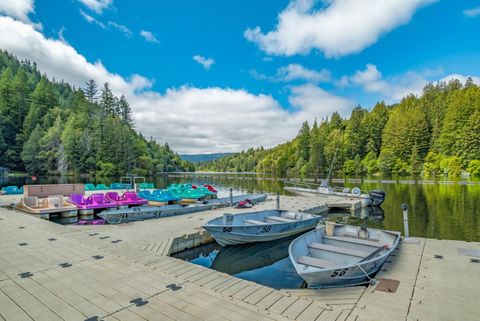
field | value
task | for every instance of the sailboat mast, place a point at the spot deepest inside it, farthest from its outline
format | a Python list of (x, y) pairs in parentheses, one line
[(331, 167)]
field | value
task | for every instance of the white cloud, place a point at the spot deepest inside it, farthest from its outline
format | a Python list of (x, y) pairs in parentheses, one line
[(370, 79), (127, 32), (312, 101), (97, 5), (58, 59), (20, 10), (191, 119), (259, 76), (472, 13), (61, 36), (91, 19), (294, 72), (149, 36), (462, 78), (205, 62), (122, 28), (395, 88), (221, 119), (211, 119), (339, 28)]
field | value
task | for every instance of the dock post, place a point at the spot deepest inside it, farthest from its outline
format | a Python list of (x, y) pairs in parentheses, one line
[(404, 207), (278, 201), (231, 197)]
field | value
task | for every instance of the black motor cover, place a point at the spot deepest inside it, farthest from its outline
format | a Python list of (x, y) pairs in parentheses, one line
[(377, 196)]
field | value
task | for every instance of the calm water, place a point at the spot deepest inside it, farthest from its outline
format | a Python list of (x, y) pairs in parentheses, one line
[(440, 211), (265, 263)]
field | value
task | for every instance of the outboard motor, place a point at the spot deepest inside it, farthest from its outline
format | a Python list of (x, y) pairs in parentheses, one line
[(377, 197)]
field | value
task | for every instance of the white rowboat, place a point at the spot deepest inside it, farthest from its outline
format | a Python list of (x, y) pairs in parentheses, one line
[(341, 255)]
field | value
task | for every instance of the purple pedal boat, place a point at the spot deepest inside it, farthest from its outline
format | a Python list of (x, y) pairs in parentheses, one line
[(94, 201), (128, 198)]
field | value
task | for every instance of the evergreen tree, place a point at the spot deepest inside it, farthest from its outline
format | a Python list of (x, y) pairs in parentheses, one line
[(316, 151), (125, 111), (48, 127), (8, 111), (31, 153), (373, 124), (107, 100), (355, 135), (52, 151), (435, 133), (42, 99), (469, 141), (304, 142), (91, 91)]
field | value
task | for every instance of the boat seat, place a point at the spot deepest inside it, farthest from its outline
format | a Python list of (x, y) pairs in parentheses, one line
[(255, 222), (356, 237), (339, 249), (355, 240), (281, 219), (31, 201), (313, 261), (55, 201)]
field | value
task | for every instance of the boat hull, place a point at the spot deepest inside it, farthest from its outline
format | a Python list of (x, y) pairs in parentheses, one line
[(351, 275), (364, 198), (150, 212), (254, 198), (254, 234), (343, 273), (263, 229)]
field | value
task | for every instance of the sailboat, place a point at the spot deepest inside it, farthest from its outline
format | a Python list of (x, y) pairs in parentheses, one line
[(372, 198)]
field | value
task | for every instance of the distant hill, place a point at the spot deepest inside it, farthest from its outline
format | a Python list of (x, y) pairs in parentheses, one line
[(198, 158)]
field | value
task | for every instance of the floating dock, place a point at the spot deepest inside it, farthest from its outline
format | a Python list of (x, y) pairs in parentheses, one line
[(123, 272)]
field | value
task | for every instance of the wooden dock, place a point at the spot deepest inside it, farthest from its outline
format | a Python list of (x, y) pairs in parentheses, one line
[(121, 272)]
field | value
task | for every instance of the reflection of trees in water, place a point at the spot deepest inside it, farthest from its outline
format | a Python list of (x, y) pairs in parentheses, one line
[(453, 211), (448, 211)]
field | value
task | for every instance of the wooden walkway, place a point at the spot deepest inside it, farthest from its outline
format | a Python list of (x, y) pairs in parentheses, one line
[(55, 272)]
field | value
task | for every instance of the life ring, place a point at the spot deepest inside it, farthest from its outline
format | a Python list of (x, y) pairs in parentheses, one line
[(356, 191)]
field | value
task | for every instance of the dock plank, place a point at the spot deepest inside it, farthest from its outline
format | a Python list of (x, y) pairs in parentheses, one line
[(429, 289)]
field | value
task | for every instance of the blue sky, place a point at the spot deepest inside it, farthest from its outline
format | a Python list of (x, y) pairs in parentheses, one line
[(212, 76)]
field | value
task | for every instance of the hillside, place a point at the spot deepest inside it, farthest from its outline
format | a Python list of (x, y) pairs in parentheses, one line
[(437, 133), (50, 127), (198, 158)]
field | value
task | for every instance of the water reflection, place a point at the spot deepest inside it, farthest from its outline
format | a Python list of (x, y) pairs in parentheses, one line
[(265, 263), (444, 211)]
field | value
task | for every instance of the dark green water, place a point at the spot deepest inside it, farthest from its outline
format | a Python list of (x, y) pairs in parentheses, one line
[(441, 211)]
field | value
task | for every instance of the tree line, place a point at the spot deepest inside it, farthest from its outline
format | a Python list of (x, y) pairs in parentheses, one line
[(436, 133), (50, 127)]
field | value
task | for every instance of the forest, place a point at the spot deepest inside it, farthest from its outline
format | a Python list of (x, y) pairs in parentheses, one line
[(434, 134), (52, 128)]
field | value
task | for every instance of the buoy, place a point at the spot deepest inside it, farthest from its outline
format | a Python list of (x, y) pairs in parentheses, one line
[(356, 191)]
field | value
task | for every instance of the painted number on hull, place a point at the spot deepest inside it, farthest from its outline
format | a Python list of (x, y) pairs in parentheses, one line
[(227, 229), (339, 272), (266, 229)]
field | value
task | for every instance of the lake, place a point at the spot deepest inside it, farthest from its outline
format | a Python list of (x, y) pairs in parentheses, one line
[(442, 211)]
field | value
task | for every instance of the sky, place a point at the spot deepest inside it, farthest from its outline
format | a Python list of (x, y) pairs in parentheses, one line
[(221, 76)]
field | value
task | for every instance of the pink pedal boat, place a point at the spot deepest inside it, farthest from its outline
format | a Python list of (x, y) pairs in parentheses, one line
[(128, 198), (94, 201)]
